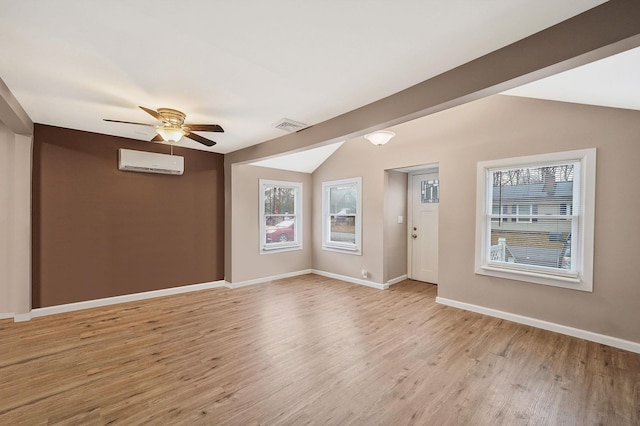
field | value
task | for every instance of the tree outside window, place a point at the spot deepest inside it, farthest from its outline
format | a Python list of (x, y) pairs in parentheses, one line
[(281, 215), (341, 215)]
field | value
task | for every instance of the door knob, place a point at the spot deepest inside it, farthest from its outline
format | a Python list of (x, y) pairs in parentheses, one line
[(414, 235)]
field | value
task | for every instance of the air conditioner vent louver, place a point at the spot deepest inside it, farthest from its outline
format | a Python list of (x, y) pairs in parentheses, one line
[(289, 125)]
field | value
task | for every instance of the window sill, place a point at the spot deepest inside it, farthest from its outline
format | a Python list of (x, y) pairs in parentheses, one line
[(280, 249), (354, 251), (537, 278)]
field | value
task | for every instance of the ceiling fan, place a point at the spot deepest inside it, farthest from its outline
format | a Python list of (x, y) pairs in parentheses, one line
[(173, 126)]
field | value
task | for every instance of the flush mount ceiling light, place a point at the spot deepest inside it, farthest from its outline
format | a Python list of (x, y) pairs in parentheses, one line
[(379, 138), (170, 132)]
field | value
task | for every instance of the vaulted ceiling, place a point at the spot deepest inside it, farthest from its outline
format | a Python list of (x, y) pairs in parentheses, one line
[(244, 65)]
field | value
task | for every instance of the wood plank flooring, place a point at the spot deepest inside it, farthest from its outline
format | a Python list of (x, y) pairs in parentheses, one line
[(306, 350)]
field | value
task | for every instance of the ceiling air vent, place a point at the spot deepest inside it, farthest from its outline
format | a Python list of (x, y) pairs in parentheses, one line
[(290, 126)]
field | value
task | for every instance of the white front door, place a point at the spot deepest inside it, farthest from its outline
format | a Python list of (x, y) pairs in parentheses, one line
[(424, 227)]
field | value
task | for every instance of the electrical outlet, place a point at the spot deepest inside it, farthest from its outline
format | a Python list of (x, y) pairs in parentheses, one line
[(364, 273)]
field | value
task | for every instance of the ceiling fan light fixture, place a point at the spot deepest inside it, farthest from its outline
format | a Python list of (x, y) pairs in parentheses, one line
[(380, 138), (170, 133), (173, 127)]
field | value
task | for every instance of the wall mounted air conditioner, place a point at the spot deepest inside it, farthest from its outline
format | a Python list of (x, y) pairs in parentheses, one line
[(150, 162)]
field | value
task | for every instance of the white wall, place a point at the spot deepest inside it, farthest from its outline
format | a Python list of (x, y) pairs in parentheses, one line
[(15, 222)]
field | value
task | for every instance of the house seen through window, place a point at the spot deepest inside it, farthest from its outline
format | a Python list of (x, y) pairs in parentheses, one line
[(533, 220), (528, 242)]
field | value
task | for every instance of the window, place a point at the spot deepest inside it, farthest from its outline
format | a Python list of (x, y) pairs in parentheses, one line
[(517, 213), (280, 215), (524, 212), (341, 217), (535, 219), (430, 191)]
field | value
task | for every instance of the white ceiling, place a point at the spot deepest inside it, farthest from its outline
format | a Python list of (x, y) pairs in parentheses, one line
[(244, 64), (611, 82), (306, 161)]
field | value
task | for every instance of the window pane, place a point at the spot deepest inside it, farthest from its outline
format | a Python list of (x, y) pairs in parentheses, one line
[(546, 242), (279, 200), (343, 229), (544, 190), (343, 199), (430, 191), (280, 229), (341, 225), (549, 187), (281, 215)]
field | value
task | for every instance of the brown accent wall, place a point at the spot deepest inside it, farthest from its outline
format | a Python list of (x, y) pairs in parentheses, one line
[(101, 232)]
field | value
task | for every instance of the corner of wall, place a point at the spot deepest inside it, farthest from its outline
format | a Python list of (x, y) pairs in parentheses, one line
[(15, 214)]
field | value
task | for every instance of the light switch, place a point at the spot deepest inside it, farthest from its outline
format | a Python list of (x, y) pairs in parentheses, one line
[(400, 219)]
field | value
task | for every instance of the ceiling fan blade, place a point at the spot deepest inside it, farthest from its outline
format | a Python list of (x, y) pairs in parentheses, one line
[(205, 127), (157, 138), (128, 122), (153, 113), (198, 138)]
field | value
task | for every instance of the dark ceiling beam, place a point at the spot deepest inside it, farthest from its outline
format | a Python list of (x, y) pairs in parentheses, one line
[(610, 28), (12, 114)]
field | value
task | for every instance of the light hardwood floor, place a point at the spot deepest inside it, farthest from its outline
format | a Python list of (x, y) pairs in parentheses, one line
[(307, 350)]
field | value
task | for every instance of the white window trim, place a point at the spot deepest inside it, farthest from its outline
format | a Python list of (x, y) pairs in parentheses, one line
[(267, 248), (582, 250), (355, 249)]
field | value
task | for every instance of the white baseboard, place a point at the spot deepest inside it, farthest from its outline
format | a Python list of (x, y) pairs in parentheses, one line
[(267, 279), (545, 325), (69, 307), (350, 279), (22, 317), (397, 280), (6, 315)]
